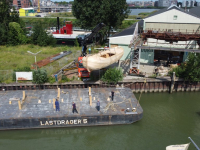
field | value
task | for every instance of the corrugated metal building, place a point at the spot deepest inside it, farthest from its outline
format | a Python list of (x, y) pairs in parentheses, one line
[(172, 19)]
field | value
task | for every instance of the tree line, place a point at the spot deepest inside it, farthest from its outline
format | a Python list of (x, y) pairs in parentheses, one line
[(13, 31)]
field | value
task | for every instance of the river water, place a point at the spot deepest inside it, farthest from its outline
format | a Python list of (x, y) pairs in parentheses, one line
[(137, 11), (168, 119)]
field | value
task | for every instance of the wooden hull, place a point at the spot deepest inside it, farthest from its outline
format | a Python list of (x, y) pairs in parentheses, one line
[(102, 59)]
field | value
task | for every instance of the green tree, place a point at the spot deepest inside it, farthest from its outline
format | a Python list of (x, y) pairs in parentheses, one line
[(90, 13), (7, 16), (40, 76), (41, 37), (190, 70), (113, 75), (16, 34)]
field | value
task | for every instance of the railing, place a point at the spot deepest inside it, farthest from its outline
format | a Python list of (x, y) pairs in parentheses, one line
[(178, 31)]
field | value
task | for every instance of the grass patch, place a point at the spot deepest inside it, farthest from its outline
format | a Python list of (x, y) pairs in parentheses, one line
[(62, 14), (48, 22), (126, 24), (13, 57)]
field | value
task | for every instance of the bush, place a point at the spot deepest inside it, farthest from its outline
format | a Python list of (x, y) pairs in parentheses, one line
[(179, 71), (1, 79), (112, 75), (76, 43), (64, 79), (51, 80), (189, 70), (40, 76)]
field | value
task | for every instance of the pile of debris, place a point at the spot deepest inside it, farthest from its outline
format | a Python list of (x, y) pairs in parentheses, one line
[(161, 71)]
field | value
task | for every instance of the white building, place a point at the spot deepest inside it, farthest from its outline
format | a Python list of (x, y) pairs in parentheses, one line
[(166, 3), (172, 20), (188, 3)]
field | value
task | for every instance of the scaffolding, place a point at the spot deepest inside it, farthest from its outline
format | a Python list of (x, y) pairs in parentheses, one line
[(172, 41)]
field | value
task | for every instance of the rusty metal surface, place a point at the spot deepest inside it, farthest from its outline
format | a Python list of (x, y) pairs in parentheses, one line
[(169, 49), (171, 36)]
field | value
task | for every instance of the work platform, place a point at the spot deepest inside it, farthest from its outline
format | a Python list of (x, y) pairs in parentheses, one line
[(38, 109)]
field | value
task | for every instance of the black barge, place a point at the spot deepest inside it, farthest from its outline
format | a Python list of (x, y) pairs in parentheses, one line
[(36, 109)]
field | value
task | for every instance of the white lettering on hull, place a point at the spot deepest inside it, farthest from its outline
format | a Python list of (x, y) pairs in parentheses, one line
[(63, 122)]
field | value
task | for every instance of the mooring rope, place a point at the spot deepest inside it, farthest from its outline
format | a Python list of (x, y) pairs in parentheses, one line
[(141, 90), (112, 104)]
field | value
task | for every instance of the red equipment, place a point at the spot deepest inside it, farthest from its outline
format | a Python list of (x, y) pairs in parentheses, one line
[(67, 29), (82, 72)]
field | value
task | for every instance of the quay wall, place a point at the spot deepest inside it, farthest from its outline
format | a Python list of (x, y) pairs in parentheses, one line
[(148, 85)]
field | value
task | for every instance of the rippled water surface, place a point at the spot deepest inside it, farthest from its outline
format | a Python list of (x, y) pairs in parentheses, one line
[(168, 119), (137, 11)]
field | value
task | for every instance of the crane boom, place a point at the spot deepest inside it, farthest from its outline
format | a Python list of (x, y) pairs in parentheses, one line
[(90, 36)]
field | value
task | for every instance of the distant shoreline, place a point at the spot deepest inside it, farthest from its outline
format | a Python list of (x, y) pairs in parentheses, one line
[(145, 7)]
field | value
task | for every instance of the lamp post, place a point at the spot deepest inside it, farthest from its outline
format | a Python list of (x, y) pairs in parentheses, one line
[(35, 56)]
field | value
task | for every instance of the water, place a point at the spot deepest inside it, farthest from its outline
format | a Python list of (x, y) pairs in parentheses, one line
[(168, 119), (137, 11)]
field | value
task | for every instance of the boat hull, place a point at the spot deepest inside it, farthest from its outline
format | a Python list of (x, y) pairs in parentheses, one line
[(102, 59), (75, 121), (38, 109)]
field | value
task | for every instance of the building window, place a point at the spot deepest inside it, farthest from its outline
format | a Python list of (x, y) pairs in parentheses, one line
[(175, 17)]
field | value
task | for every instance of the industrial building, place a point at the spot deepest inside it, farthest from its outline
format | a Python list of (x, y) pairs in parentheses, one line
[(188, 3), (21, 3), (170, 32), (27, 12), (166, 3)]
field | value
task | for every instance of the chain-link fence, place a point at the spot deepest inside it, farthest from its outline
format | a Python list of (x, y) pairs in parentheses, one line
[(6, 75), (54, 67)]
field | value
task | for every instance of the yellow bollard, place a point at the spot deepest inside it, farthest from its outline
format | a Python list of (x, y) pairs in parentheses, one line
[(89, 90), (54, 107), (62, 100), (58, 93), (24, 95), (19, 104), (49, 101), (10, 102), (90, 97)]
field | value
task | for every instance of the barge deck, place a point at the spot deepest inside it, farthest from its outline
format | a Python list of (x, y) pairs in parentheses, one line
[(36, 109)]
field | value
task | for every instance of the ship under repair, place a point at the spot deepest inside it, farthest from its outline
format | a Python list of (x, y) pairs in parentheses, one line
[(36, 108)]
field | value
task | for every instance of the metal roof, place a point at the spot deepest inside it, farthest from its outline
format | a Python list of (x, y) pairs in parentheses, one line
[(130, 30), (28, 8), (195, 10), (187, 11)]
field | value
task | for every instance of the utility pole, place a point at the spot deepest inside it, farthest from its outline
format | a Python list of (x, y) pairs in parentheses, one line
[(35, 57)]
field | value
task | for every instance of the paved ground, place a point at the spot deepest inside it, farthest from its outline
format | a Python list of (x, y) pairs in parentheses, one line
[(124, 98)]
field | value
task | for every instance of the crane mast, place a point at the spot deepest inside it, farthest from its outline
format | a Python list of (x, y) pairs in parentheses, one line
[(38, 10)]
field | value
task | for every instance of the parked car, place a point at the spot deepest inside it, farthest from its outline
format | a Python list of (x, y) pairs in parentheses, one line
[(37, 15)]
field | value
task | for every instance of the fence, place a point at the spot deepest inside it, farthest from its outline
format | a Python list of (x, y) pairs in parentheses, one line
[(6, 75), (61, 63)]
